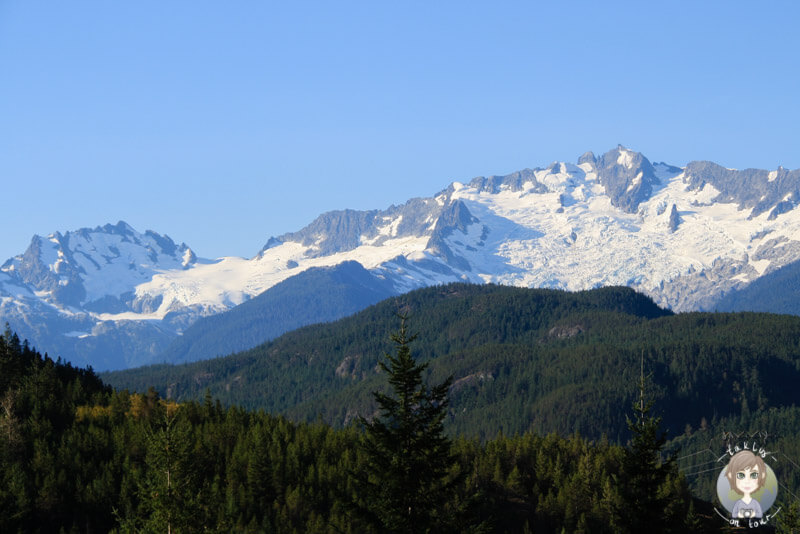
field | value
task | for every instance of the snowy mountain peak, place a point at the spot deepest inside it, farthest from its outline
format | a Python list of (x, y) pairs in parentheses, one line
[(345, 230), (96, 268), (628, 178)]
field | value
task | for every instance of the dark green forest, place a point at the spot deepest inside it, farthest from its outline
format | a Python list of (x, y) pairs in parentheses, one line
[(77, 456), (521, 359), (539, 422)]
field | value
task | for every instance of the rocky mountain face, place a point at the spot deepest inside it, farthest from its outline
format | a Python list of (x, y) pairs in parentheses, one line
[(691, 238), (627, 177), (775, 192)]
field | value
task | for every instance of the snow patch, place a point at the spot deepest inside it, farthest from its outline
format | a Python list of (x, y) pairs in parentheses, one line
[(635, 182), (625, 158), (391, 228), (78, 334), (188, 256), (760, 265)]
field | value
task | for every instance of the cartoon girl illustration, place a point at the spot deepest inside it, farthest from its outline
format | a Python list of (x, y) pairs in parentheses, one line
[(746, 474)]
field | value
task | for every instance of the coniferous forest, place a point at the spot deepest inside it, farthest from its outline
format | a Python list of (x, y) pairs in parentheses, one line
[(77, 455)]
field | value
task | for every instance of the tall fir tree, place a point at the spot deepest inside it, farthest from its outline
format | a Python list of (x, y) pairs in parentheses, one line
[(653, 497), (405, 487)]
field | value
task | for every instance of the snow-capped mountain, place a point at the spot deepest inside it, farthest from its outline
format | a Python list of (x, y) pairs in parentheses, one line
[(95, 270), (70, 293), (685, 236)]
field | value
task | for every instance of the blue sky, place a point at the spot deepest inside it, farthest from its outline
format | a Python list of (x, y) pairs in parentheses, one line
[(224, 123)]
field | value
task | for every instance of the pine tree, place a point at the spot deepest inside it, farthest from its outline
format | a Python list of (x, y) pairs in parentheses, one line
[(408, 455)]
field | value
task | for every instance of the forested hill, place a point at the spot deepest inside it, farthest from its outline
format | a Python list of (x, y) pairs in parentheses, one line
[(521, 359), (76, 456)]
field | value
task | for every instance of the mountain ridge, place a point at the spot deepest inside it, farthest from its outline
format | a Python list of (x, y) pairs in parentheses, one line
[(684, 236)]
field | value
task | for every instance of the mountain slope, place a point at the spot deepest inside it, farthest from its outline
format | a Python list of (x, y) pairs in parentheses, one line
[(776, 292), (521, 359), (317, 295)]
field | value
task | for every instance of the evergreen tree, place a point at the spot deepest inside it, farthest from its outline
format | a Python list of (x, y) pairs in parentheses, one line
[(170, 496), (406, 485), (11, 364), (653, 496)]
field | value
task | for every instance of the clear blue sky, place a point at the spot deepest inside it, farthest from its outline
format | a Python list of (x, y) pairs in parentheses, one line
[(223, 123)]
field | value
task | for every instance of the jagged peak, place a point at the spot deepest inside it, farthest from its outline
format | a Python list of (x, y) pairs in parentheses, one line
[(495, 183), (623, 156), (756, 189), (121, 228), (587, 157), (628, 177)]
